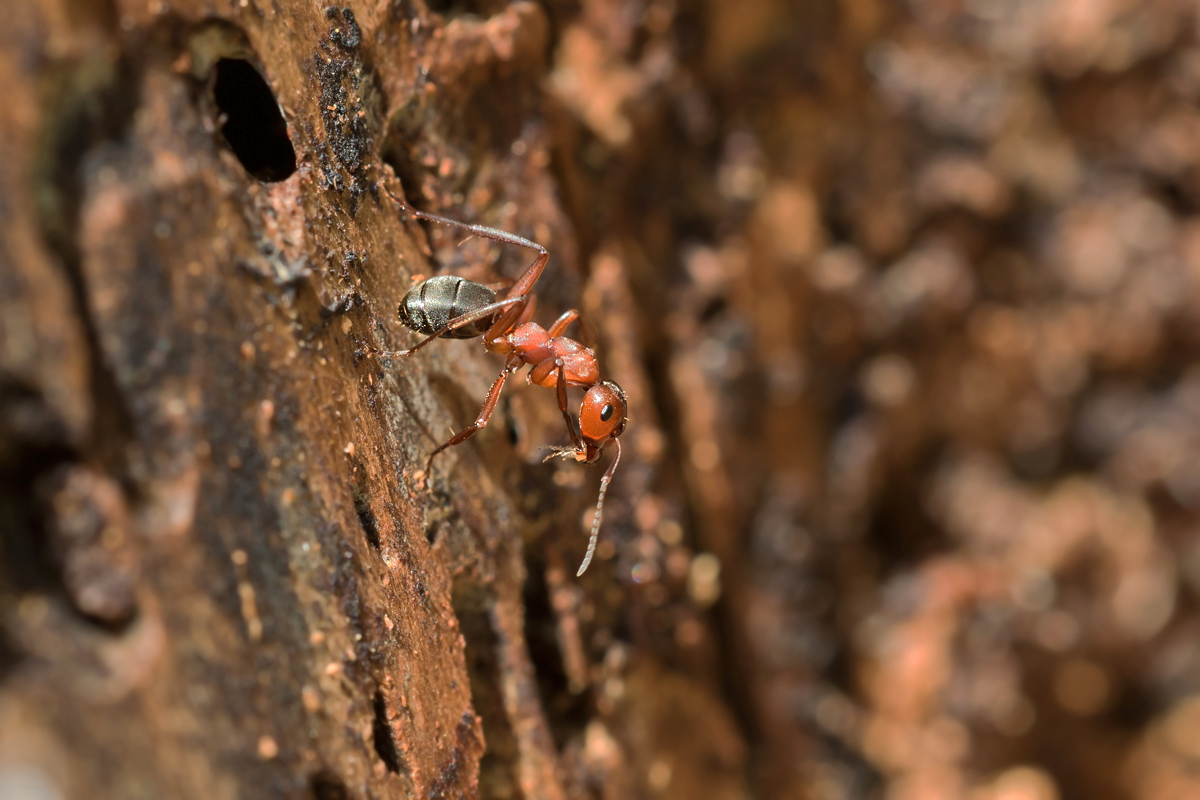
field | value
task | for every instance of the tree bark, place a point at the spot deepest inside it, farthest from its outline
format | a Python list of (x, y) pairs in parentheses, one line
[(221, 576)]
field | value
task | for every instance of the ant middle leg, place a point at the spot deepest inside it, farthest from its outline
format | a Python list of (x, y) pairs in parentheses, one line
[(485, 414)]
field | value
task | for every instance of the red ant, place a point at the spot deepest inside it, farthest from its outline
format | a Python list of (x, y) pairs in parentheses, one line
[(450, 306)]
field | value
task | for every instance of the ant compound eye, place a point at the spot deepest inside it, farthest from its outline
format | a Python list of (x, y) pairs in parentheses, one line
[(602, 415)]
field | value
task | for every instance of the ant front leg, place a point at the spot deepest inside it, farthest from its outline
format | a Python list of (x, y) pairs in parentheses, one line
[(560, 325), (485, 414), (562, 406)]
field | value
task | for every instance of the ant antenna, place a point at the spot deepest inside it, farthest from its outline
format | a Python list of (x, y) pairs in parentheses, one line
[(587, 558)]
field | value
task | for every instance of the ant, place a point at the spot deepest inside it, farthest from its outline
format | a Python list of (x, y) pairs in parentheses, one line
[(456, 308)]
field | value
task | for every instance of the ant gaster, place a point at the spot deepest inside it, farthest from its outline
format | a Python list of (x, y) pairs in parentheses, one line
[(453, 307)]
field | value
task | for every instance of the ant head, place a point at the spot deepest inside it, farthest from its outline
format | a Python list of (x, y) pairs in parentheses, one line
[(602, 417)]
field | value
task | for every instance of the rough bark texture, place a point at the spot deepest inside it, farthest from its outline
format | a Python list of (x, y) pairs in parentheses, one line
[(904, 297)]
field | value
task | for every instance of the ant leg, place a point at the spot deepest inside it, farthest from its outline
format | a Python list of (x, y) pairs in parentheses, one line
[(527, 315), (458, 322), (530, 307), (562, 322), (532, 272), (587, 558), (485, 413), (405, 208), (503, 325), (529, 277), (509, 321), (562, 406)]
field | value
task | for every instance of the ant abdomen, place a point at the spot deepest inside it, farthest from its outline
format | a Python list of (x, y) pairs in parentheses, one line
[(433, 303)]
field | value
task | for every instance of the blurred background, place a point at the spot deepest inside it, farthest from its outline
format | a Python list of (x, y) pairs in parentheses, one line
[(925, 357)]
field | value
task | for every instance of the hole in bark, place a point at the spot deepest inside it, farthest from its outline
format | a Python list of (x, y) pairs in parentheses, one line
[(385, 743), (362, 505), (366, 518), (327, 786), (253, 126)]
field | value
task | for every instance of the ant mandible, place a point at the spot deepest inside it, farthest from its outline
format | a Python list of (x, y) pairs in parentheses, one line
[(456, 308)]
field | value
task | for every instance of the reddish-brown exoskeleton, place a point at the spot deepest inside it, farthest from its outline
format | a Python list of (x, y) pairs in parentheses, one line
[(449, 306)]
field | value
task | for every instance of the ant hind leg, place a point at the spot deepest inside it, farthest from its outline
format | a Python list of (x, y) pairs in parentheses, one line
[(563, 322), (485, 414)]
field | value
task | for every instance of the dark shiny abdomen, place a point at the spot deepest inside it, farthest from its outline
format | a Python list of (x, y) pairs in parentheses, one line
[(433, 303)]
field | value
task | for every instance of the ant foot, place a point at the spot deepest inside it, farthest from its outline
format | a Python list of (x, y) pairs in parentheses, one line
[(564, 452)]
